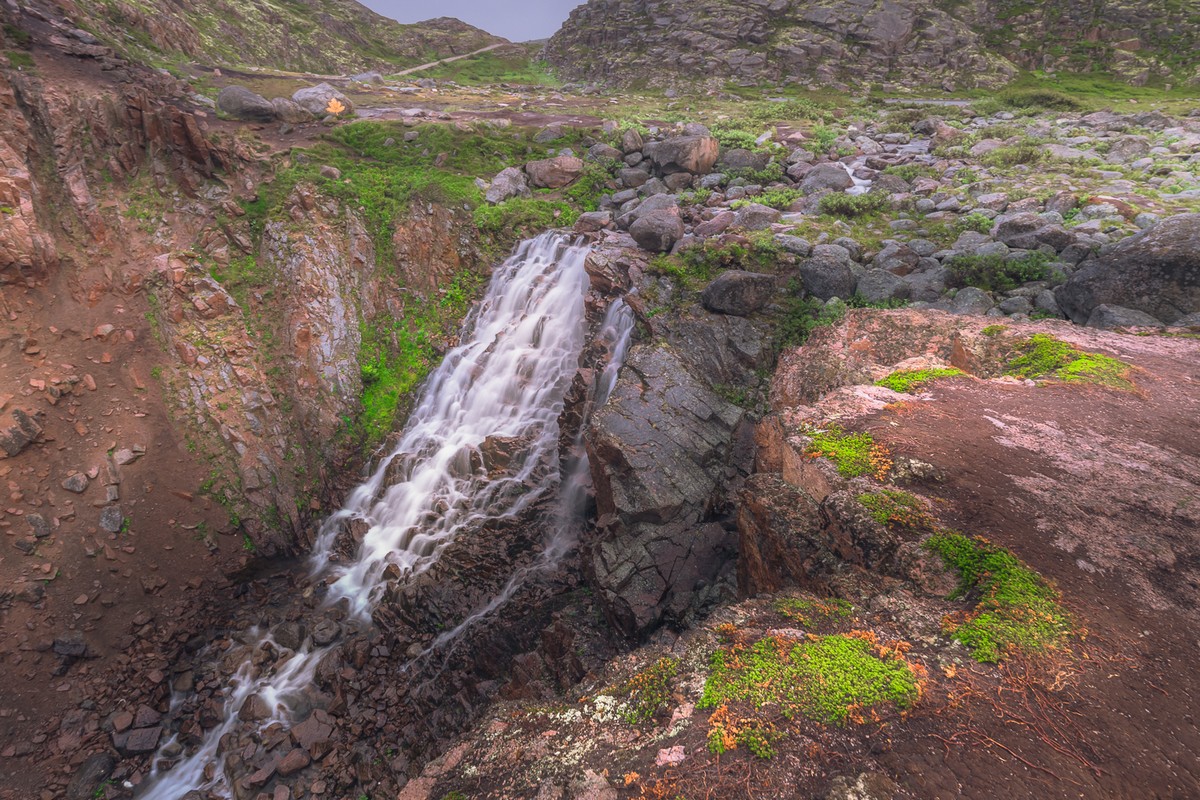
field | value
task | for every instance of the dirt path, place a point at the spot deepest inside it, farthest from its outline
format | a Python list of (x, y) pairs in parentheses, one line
[(422, 67)]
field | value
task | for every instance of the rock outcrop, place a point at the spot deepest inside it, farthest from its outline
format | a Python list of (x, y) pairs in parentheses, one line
[(1156, 272)]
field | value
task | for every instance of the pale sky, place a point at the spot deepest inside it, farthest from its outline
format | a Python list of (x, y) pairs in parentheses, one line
[(517, 20)]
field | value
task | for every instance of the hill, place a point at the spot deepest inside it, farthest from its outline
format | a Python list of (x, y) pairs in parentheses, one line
[(298, 35), (951, 43)]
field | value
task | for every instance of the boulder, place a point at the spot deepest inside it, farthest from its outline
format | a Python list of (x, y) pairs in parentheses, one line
[(971, 301), (508, 183), (828, 273), (657, 231), (1156, 271), (554, 173), (738, 293), (756, 217), (241, 103), (1108, 317), (878, 286), (694, 154), (320, 100), (739, 158), (290, 111), (593, 221), (23, 431), (826, 177)]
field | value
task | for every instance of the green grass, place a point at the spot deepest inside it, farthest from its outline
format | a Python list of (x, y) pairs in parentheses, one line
[(910, 172), (997, 273), (1028, 99), (1010, 155), (802, 316), (894, 508), (772, 198), (19, 59), (1015, 608), (839, 204), (813, 611), (854, 454), (994, 330), (909, 380), (493, 67), (830, 679), (649, 691), (522, 217), (1042, 357), (397, 353), (696, 266)]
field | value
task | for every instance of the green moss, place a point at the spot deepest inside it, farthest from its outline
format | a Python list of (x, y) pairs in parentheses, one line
[(802, 316), (910, 172), (521, 217), (852, 205), (1016, 609), (1043, 357), (831, 679), (855, 454), (909, 380), (994, 330), (813, 611), (773, 198), (649, 691), (897, 509)]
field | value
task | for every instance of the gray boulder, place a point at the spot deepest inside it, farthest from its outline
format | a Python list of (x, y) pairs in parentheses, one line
[(738, 158), (290, 111), (738, 293), (1156, 271), (318, 100), (828, 274), (971, 301), (826, 177), (1108, 317), (657, 231), (878, 286), (554, 173), (756, 217), (694, 154), (507, 184), (241, 103)]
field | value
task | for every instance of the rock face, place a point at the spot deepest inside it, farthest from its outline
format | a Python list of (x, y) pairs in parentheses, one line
[(967, 44), (662, 541), (739, 293), (1156, 272)]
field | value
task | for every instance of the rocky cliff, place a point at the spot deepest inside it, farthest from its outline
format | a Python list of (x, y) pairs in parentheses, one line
[(964, 44), (298, 35)]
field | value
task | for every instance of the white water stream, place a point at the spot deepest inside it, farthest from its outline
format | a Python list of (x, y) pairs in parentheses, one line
[(509, 377)]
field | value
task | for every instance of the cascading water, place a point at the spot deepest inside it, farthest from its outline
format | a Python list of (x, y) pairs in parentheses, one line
[(508, 379)]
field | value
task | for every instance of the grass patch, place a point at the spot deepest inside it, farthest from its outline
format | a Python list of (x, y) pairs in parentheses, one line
[(830, 679), (997, 273), (696, 266), (522, 217), (649, 691), (1015, 610), (1043, 357), (839, 204), (398, 352), (1029, 99), (802, 316), (19, 59), (994, 330), (813, 611), (909, 380), (1010, 155), (779, 199), (894, 508), (855, 454), (910, 172)]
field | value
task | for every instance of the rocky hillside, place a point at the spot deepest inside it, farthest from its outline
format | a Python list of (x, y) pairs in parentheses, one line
[(951, 43), (300, 35)]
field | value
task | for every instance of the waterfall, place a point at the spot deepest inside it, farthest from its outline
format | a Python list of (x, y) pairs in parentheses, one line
[(508, 379)]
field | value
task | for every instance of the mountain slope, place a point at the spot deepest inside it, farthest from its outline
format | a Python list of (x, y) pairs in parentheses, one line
[(893, 42), (298, 35)]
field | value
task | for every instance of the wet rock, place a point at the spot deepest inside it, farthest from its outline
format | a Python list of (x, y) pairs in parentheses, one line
[(140, 740), (288, 635), (295, 760), (241, 103), (24, 431), (657, 231), (91, 773), (739, 293), (1108, 317), (314, 731), (1156, 272), (554, 173)]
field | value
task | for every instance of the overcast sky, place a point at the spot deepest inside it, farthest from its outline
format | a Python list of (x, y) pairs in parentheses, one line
[(517, 20)]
